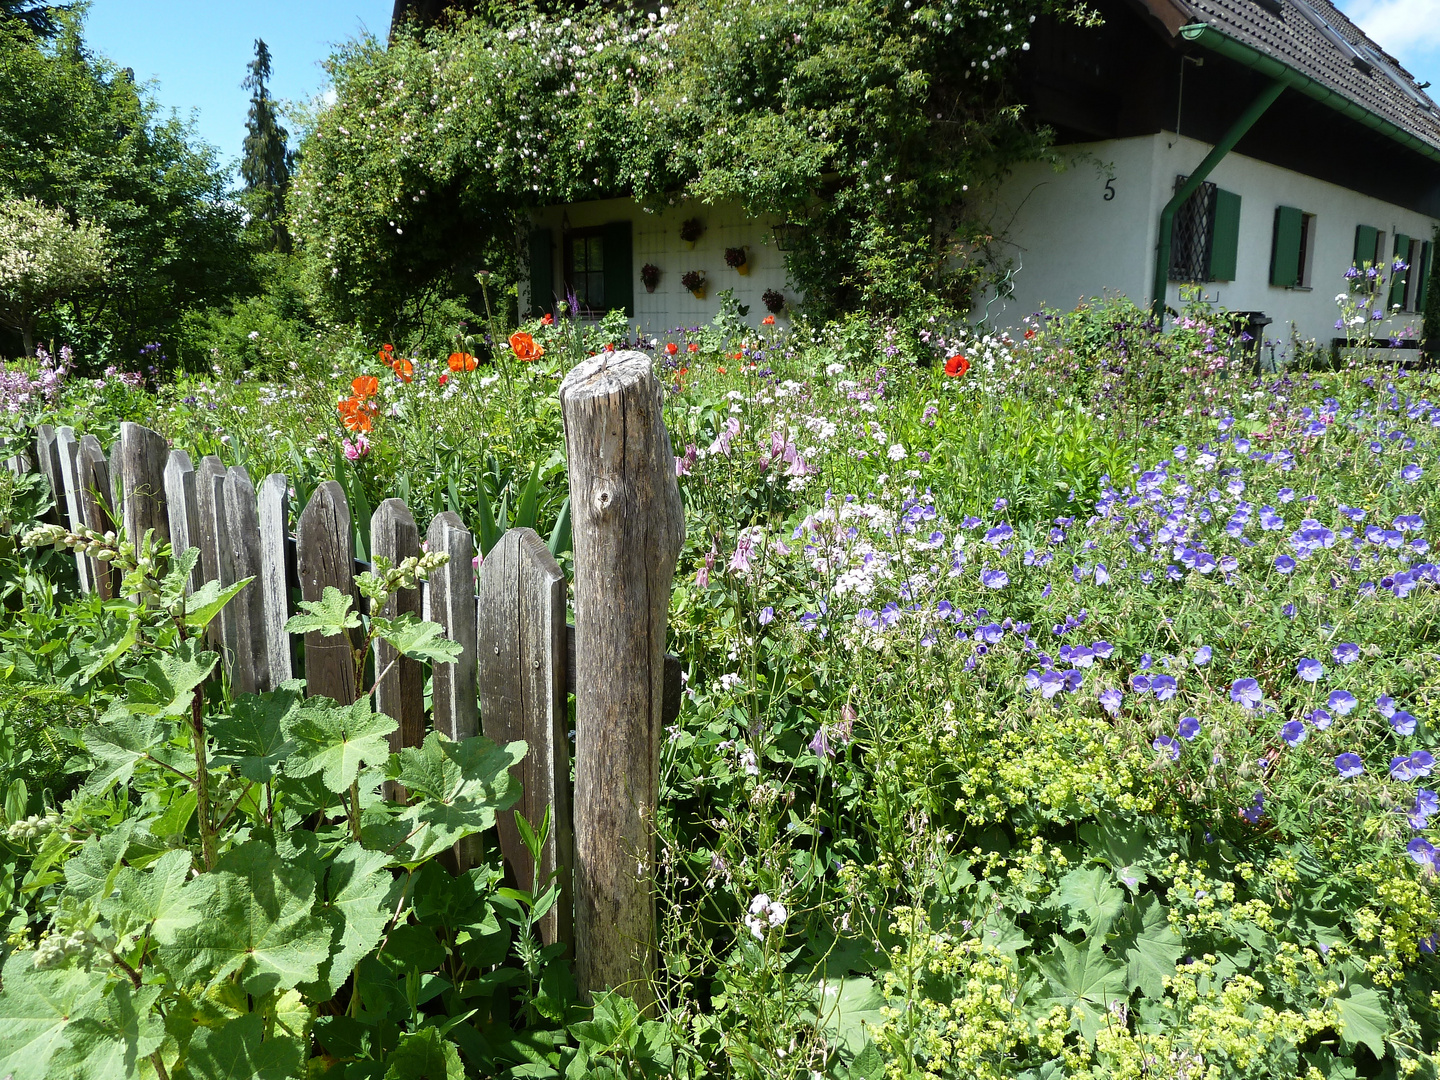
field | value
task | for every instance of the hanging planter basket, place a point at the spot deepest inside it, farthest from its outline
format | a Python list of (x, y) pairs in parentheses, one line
[(650, 276), (694, 282), (737, 258), (690, 230)]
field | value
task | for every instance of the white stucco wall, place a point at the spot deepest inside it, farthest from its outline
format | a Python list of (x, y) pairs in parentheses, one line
[(1067, 242), (656, 239)]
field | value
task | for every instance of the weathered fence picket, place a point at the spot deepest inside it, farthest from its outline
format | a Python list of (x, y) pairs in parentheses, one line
[(522, 651), (400, 682), (518, 659), (325, 557)]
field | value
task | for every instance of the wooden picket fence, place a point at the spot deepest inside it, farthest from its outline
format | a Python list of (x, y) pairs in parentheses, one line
[(516, 667), (519, 659)]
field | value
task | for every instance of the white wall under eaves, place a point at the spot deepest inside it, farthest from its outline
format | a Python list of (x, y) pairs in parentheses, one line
[(1067, 242)]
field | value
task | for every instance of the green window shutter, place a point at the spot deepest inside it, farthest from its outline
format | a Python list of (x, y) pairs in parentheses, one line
[(1398, 278), (1285, 247), (1422, 283), (1225, 243), (542, 274), (619, 271), (1365, 237)]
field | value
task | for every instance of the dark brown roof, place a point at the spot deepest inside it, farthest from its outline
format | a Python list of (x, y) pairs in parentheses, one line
[(1286, 31)]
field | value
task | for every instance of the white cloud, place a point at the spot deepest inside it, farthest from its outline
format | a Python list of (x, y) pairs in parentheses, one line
[(1407, 29)]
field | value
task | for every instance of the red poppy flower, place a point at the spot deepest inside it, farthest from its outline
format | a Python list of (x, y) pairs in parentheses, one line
[(524, 347), (462, 361), (404, 369), (956, 366), (768, 320), (548, 320), (365, 386), (444, 378), (356, 415), (720, 369), (671, 348), (693, 347)]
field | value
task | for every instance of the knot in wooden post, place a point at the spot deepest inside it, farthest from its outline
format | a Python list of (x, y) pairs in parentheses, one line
[(629, 525)]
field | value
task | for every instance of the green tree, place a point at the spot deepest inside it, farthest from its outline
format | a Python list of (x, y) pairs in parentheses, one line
[(43, 258), (265, 164), (38, 18), (76, 132)]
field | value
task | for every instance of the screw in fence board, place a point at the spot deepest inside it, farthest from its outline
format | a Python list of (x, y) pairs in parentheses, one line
[(400, 687), (251, 671), (273, 512), (69, 448), (629, 525), (96, 506), (141, 460), (521, 646), (216, 559), (47, 456), (325, 554), (452, 605), (183, 506)]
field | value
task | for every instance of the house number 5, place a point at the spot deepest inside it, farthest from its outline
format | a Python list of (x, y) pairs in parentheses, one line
[(1109, 189)]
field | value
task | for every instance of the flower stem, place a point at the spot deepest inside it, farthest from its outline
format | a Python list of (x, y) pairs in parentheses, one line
[(202, 779)]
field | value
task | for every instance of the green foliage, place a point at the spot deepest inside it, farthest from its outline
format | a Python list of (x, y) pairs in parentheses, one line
[(266, 158), (865, 121)]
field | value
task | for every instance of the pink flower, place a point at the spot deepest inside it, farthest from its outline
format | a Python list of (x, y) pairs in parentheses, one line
[(354, 451)]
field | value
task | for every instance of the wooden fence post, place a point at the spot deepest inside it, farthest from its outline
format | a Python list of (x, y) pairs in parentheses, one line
[(452, 605), (215, 555), (521, 647), (273, 511), (629, 525), (47, 457), (325, 554), (183, 506), (251, 671), (98, 509), (141, 464), (400, 693), (69, 449)]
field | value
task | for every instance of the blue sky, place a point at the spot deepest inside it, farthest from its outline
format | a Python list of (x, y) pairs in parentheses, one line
[(197, 50)]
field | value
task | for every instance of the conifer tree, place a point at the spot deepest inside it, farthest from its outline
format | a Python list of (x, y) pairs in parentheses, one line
[(266, 159)]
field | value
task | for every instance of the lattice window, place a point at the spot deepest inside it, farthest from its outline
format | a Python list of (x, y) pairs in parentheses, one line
[(1192, 234)]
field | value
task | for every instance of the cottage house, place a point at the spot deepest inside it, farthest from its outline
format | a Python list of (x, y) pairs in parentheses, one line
[(1257, 148)]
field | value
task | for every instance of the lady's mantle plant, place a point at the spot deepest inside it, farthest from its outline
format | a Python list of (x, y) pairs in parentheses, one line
[(229, 883)]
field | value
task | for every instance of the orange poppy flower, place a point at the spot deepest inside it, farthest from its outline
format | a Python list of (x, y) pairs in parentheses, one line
[(404, 369), (956, 366), (524, 347), (548, 320), (356, 415), (671, 348), (721, 369), (768, 320), (462, 361), (693, 347), (365, 386)]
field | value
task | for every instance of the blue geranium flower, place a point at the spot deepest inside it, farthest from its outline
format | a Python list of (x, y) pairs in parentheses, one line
[(1189, 727), (1168, 746), (1202, 656), (1342, 702), (1310, 670), (1423, 852), (994, 579), (1163, 686), (1246, 693), (1256, 809), (1349, 765), (1402, 722), (1110, 701), (1411, 473), (1293, 732), (1346, 653), (1320, 718)]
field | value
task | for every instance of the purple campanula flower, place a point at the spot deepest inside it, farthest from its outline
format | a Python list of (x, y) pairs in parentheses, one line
[(767, 616), (994, 579), (1163, 686), (1422, 851), (1320, 718), (1293, 732), (1346, 653), (1168, 746), (1246, 693), (1342, 702), (1310, 670), (1402, 722), (1349, 765), (1202, 656), (1110, 701), (1189, 727)]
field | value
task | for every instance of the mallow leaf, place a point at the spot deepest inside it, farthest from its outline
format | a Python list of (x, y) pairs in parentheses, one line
[(337, 740), (415, 639), (209, 600), (90, 874), (118, 746), (173, 677), (36, 1011), (155, 899), (111, 1043), (257, 921), (1148, 945), (1083, 979), (239, 1051), (252, 738), (356, 901), (456, 789), (330, 615), (1089, 900), (425, 1054)]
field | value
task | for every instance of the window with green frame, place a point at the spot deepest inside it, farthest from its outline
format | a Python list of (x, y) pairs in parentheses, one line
[(1205, 235), (1292, 248), (598, 268)]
